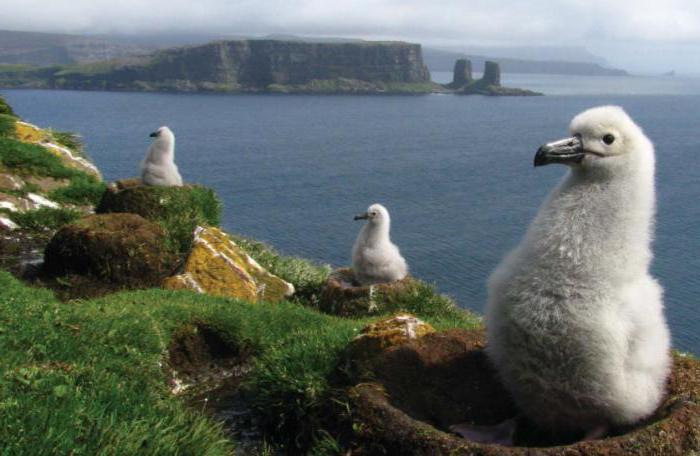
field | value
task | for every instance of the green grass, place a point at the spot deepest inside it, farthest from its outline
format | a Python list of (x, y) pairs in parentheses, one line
[(306, 276), (70, 140), (7, 125), (179, 210), (45, 218), (82, 190), (33, 159), (85, 376), (5, 108)]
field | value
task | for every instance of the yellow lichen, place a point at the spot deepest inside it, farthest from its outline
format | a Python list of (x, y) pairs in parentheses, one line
[(217, 266), (30, 133)]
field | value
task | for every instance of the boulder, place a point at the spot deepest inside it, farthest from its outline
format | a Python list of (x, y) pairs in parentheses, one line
[(216, 265), (342, 296), (417, 389), (179, 210), (118, 248)]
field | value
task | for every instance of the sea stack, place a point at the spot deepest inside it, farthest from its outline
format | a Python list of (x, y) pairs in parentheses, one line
[(462, 73), (492, 74)]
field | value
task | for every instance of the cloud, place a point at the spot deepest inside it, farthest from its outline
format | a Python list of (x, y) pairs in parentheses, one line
[(627, 25), (510, 21)]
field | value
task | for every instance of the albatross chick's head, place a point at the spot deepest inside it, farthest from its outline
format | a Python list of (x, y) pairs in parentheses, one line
[(162, 132), (602, 138), (376, 214)]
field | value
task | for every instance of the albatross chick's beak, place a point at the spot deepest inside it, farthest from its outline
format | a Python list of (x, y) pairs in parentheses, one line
[(364, 216), (154, 134), (566, 151)]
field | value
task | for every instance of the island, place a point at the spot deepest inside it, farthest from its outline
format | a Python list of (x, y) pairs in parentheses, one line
[(264, 66), (463, 82), (247, 66)]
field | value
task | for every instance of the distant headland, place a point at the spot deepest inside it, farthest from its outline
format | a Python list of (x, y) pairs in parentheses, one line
[(262, 66)]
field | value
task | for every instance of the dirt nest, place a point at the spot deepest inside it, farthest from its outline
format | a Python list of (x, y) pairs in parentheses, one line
[(417, 390), (341, 295)]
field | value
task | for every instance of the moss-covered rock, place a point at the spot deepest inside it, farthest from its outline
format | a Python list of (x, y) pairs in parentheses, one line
[(123, 249), (179, 210), (219, 267), (379, 336), (341, 296), (418, 389)]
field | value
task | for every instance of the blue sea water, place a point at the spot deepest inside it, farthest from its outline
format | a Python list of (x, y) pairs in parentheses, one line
[(455, 172)]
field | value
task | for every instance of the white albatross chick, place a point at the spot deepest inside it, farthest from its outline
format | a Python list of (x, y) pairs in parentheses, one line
[(375, 259), (158, 167), (575, 322)]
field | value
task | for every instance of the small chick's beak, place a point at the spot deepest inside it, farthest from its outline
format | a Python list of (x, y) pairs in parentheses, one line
[(566, 151), (154, 134), (364, 216)]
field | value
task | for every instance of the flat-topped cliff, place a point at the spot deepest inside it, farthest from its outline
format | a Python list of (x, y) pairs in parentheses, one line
[(246, 66)]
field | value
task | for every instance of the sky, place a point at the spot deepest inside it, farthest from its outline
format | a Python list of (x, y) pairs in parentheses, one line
[(638, 35)]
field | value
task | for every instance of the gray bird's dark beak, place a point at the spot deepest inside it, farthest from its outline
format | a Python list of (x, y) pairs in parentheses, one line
[(364, 216), (566, 151), (154, 134)]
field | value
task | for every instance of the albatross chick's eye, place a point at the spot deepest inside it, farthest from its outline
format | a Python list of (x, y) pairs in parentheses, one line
[(608, 139)]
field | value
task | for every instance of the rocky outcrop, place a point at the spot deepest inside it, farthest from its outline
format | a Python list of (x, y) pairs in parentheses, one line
[(218, 267), (462, 73), (29, 133), (250, 65), (342, 296), (43, 184), (492, 74), (123, 249), (490, 84), (417, 390)]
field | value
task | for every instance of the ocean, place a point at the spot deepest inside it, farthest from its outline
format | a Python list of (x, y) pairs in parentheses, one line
[(455, 172)]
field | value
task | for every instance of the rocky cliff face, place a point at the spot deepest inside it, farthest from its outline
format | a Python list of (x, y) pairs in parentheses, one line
[(462, 73), (492, 74), (254, 65)]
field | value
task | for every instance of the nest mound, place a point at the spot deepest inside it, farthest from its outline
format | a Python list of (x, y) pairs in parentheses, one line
[(420, 388), (341, 295)]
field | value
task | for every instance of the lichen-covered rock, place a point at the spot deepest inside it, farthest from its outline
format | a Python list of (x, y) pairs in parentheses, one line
[(119, 248), (342, 296), (179, 210), (379, 336), (29, 133), (416, 390), (219, 267)]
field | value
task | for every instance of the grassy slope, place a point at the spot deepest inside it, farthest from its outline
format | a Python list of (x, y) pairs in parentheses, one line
[(32, 159), (86, 375)]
